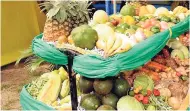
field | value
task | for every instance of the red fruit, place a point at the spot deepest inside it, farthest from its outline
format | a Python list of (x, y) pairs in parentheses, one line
[(153, 21), (149, 92), (145, 100), (139, 97), (178, 74), (115, 22), (146, 24), (159, 56), (166, 53), (156, 92)]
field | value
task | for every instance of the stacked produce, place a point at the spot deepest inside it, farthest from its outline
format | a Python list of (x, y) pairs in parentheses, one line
[(160, 84), (53, 89), (109, 35)]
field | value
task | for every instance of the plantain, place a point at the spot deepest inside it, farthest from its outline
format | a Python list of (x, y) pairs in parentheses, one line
[(65, 88)]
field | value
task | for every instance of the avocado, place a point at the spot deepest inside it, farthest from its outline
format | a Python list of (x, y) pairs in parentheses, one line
[(121, 87), (85, 84), (105, 107), (103, 86), (110, 99), (90, 102)]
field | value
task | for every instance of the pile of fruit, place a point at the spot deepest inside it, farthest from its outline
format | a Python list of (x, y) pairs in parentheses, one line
[(108, 35), (160, 84), (53, 89)]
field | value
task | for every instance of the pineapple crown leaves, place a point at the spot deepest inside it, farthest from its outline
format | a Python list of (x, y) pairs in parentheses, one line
[(60, 10)]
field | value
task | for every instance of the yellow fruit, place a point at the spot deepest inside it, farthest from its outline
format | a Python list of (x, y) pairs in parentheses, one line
[(62, 39), (63, 73), (129, 20), (70, 40), (100, 44), (125, 46), (50, 91), (104, 31), (161, 11), (110, 43), (143, 11), (64, 107), (148, 33), (65, 89), (66, 99), (117, 44), (100, 16), (151, 9), (179, 9)]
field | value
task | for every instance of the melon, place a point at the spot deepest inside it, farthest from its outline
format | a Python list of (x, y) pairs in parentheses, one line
[(161, 11), (127, 10), (151, 9), (145, 10), (100, 16)]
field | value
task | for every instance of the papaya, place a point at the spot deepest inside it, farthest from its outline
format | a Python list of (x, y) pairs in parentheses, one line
[(49, 93)]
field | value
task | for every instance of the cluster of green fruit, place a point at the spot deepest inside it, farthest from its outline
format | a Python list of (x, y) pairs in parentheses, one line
[(106, 93)]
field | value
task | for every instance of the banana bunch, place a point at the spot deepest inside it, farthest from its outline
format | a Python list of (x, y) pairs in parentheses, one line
[(119, 44), (180, 50), (112, 42)]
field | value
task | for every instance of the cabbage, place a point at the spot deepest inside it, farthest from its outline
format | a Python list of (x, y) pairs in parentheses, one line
[(145, 82), (129, 103)]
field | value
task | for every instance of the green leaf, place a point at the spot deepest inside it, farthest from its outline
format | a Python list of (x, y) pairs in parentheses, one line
[(52, 12), (24, 54), (32, 63)]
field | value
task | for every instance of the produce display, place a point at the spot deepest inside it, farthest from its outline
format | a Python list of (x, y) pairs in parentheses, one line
[(160, 84), (106, 35)]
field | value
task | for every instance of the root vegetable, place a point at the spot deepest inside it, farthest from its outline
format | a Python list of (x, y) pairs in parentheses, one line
[(176, 79), (174, 103), (156, 66), (165, 92)]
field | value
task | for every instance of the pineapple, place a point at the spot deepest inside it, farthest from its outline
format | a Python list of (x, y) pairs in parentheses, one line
[(62, 17)]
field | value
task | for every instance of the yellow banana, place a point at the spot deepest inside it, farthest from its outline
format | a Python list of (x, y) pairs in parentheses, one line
[(66, 99), (55, 103), (100, 44), (126, 45), (117, 44), (65, 88), (110, 42)]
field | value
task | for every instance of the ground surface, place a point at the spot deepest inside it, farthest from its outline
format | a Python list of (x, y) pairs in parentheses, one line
[(12, 80)]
